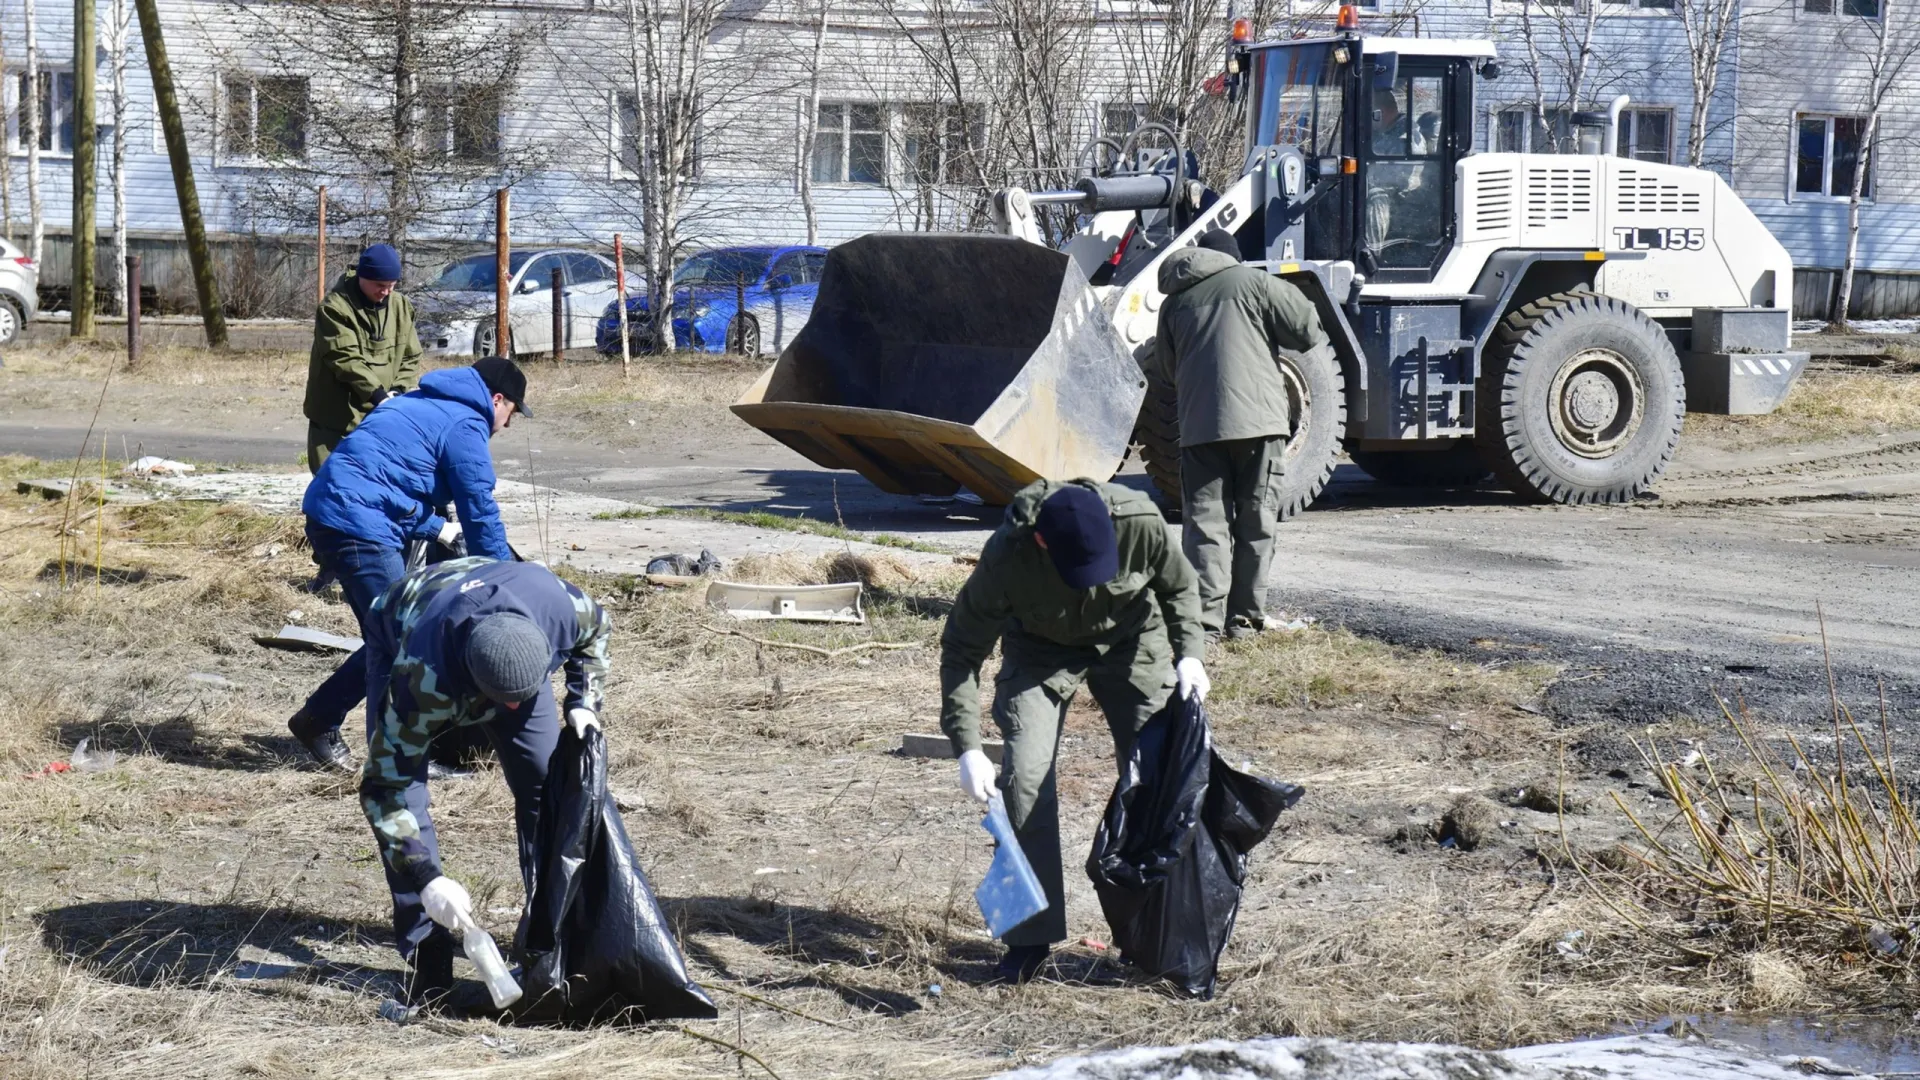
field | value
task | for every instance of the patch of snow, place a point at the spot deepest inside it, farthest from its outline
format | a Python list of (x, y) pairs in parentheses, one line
[(1629, 1057)]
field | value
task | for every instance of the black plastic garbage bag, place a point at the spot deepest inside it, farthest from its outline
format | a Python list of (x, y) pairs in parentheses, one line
[(594, 940), (1171, 855)]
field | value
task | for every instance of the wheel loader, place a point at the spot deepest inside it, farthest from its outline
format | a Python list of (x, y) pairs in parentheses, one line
[(1544, 318)]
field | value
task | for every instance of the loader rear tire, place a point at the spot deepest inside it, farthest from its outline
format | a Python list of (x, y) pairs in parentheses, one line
[(1456, 466), (1580, 400), (1318, 394)]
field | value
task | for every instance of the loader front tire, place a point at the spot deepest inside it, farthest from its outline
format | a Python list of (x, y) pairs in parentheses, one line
[(1317, 392), (1580, 400)]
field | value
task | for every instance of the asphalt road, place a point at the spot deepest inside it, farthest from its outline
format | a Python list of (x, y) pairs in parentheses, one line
[(1718, 587)]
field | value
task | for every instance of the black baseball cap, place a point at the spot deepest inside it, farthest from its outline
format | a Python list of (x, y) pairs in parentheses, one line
[(505, 378), (1078, 529)]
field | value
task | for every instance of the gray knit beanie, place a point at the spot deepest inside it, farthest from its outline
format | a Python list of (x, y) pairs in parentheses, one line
[(508, 657)]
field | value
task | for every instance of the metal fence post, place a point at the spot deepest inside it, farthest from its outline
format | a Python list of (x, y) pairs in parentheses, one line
[(133, 311), (559, 315)]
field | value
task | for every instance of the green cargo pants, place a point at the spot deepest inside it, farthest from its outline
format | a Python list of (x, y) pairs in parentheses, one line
[(320, 443), (1230, 506), (1037, 681)]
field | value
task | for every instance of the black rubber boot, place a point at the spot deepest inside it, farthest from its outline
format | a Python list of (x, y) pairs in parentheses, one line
[(1021, 963), (430, 979), (322, 741)]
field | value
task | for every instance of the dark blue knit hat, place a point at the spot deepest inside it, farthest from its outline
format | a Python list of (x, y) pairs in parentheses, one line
[(379, 263), (1078, 529)]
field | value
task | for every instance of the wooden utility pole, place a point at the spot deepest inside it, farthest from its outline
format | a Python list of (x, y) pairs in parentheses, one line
[(320, 248), (36, 222), (81, 269), (132, 264), (168, 106), (502, 345)]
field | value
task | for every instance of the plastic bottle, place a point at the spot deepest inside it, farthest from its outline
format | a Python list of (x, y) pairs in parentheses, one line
[(486, 956)]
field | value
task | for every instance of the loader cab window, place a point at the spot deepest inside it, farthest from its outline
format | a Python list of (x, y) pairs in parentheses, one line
[(1300, 94), (1411, 150)]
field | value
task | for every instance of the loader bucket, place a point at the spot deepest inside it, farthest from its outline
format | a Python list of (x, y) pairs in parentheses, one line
[(933, 361)]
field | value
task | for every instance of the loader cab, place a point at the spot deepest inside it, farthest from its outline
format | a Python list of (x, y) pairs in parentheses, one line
[(1360, 137)]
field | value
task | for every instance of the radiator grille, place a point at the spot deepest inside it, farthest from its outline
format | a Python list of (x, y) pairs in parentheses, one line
[(1637, 192), (1492, 209), (1558, 193)]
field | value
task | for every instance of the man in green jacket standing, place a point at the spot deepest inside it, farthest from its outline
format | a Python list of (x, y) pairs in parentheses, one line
[(1079, 584), (365, 349), (1220, 331)]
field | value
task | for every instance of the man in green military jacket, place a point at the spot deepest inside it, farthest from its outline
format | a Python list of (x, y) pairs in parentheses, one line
[(1079, 584), (365, 349), (1220, 331)]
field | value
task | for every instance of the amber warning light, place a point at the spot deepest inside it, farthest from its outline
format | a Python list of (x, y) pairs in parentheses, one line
[(1349, 17), (1242, 31)]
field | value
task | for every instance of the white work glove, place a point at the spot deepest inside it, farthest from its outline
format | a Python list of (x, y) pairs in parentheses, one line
[(1190, 679), (449, 533), (580, 720), (448, 904), (976, 775)]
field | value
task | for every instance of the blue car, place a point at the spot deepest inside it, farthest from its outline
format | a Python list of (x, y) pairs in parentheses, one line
[(776, 285)]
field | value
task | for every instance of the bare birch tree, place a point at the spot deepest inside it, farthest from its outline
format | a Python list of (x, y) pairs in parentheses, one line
[(668, 48), (117, 29), (6, 167), (1565, 64), (36, 221), (810, 124), (397, 105), (1885, 48), (1709, 26)]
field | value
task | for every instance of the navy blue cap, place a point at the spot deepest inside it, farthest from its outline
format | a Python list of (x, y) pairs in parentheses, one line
[(379, 263), (1222, 241), (1079, 533)]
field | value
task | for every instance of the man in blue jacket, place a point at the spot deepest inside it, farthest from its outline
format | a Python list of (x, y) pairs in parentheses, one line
[(380, 487)]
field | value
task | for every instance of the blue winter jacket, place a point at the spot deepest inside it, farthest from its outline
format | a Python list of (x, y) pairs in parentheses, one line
[(414, 453)]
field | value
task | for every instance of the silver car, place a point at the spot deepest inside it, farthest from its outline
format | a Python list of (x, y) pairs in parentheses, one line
[(454, 314), (19, 292)]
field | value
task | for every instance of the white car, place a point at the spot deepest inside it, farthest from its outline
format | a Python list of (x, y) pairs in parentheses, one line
[(454, 314), (20, 292)]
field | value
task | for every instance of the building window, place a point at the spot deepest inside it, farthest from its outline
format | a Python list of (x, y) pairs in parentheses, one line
[(1646, 135), (1861, 9), (850, 146), (935, 141), (1519, 131), (263, 118), (56, 112), (1827, 155), (627, 137), (461, 123)]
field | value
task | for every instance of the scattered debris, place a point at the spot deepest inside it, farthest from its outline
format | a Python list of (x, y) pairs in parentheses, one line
[(158, 466), (211, 679), (300, 637), (705, 565), (938, 746), (1095, 944), (1544, 796), (629, 802), (799, 603), (85, 760), (59, 489), (1572, 945), (267, 551), (50, 768), (817, 650)]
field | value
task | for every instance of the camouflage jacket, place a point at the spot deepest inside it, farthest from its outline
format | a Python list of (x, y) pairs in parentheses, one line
[(416, 672)]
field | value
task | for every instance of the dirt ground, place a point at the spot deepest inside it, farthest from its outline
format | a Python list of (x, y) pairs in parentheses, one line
[(819, 881)]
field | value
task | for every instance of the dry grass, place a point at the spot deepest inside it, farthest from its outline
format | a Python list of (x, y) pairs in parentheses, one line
[(1823, 405), (1800, 867), (802, 860)]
